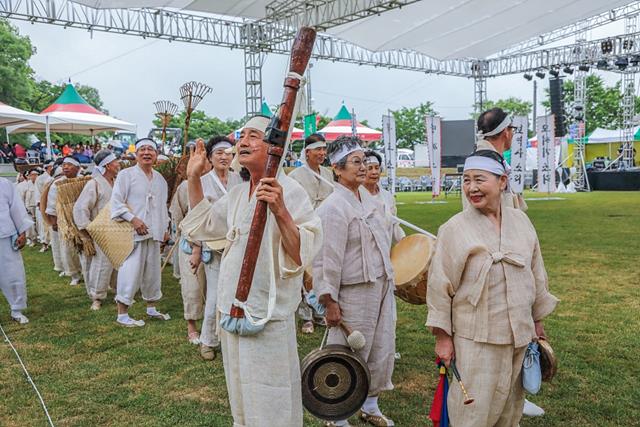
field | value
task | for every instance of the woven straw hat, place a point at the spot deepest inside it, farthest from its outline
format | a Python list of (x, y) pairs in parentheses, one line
[(115, 238)]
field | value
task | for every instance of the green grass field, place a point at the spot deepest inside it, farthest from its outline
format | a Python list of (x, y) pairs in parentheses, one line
[(93, 373)]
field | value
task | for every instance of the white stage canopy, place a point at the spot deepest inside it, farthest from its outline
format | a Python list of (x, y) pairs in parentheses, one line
[(442, 29)]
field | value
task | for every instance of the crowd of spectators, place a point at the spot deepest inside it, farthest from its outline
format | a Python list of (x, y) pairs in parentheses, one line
[(38, 152)]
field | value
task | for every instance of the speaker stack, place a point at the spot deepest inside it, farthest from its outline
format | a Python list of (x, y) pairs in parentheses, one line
[(556, 94)]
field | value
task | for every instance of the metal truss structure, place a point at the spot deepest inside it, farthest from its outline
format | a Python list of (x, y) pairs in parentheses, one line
[(578, 116), (273, 35), (628, 103)]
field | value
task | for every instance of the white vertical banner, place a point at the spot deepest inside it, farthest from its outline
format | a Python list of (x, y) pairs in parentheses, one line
[(546, 154), (434, 146), (518, 153), (390, 154)]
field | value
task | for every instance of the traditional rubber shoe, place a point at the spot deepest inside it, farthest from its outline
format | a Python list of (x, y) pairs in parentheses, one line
[(61, 274), (159, 316), (96, 305), (194, 338), (130, 323), (74, 282), (207, 353), (44, 248), (532, 410), (307, 327), (20, 318), (375, 420)]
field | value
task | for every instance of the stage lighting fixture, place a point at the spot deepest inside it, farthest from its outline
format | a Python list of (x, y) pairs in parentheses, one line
[(621, 62), (606, 46), (540, 74), (528, 76), (583, 67), (567, 70), (602, 64), (635, 60), (627, 44), (554, 72)]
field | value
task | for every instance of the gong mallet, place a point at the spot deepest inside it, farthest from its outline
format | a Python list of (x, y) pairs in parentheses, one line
[(355, 339), (191, 93), (467, 400), (165, 110)]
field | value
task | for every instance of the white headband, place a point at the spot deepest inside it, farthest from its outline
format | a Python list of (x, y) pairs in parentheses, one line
[(221, 144), (101, 166), (373, 160), (317, 144), (342, 153), (146, 142), (484, 164), (502, 126), (258, 123), (71, 161)]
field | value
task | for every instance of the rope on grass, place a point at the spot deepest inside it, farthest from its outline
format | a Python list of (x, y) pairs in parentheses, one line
[(24, 368)]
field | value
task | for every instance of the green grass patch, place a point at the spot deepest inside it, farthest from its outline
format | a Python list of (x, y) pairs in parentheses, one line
[(93, 373)]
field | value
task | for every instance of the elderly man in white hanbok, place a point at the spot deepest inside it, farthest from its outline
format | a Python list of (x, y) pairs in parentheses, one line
[(15, 222), (317, 182), (28, 195), (353, 274), (68, 253), (98, 272), (41, 182), (140, 197), (487, 295), (262, 370)]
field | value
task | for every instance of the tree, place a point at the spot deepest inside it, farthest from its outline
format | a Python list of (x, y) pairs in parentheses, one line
[(203, 126), (511, 105), (603, 104), (410, 124), (15, 73)]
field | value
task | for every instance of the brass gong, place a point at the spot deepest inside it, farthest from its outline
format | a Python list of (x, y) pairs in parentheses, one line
[(335, 382)]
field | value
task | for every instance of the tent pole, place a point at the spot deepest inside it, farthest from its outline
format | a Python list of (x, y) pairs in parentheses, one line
[(48, 134), (6, 130)]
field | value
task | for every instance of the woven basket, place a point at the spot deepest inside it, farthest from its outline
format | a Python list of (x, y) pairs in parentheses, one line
[(68, 192), (115, 238)]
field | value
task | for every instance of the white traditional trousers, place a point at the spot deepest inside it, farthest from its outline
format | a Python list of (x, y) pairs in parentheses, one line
[(492, 376), (209, 336), (56, 251), (370, 308), (192, 287), (140, 272), (32, 232), (98, 274), (263, 376), (70, 259), (43, 229), (13, 282)]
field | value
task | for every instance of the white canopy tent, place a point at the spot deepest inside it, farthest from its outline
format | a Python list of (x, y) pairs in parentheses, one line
[(442, 29), (11, 116)]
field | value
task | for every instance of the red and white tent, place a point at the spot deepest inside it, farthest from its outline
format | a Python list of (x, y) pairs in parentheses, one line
[(342, 125), (11, 116)]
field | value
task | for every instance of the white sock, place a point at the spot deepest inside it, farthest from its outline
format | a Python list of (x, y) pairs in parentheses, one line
[(16, 313), (340, 423), (123, 317), (370, 406)]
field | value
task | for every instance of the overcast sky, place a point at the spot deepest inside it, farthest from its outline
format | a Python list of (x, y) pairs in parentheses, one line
[(131, 73)]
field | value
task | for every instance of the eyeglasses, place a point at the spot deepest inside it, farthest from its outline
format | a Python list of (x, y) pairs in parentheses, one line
[(357, 162)]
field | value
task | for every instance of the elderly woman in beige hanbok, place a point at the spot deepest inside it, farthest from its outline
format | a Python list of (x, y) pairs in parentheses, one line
[(353, 274), (487, 295)]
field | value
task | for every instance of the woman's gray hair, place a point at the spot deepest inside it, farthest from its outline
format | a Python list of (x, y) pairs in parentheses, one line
[(346, 141)]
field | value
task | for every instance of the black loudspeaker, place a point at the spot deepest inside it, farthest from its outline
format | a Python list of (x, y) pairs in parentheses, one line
[(556, 96)]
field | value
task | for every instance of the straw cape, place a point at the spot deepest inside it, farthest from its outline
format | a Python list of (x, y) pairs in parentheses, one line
[(68, 192), (115, 238), (44, 197)]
